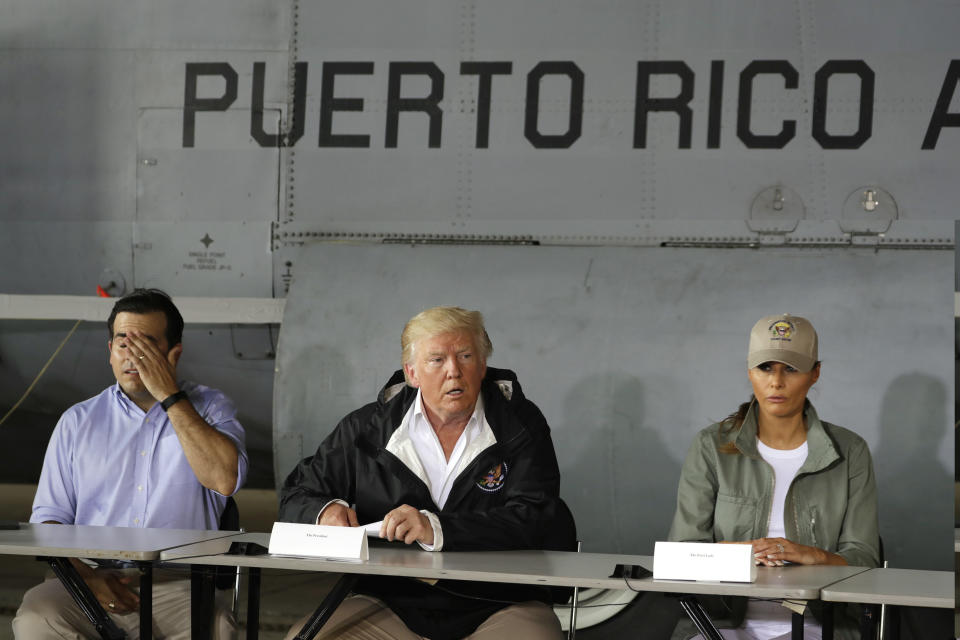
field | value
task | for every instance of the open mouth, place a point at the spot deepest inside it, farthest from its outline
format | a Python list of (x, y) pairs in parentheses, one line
[(454, 393)]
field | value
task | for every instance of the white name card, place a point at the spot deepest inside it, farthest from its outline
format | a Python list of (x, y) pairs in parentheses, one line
[(707, 561), (318, 541)]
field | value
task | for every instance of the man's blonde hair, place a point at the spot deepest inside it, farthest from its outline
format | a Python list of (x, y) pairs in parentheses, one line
[(440, 320)]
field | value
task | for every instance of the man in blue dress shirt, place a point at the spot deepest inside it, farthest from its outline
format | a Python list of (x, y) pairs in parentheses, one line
[(149, 451)]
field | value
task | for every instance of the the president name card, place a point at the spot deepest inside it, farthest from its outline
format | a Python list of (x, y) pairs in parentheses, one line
[(318, 541)]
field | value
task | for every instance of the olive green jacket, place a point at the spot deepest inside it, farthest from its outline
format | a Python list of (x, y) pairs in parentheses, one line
[(831, 503)]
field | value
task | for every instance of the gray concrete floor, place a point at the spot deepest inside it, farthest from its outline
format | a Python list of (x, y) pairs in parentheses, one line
[(286, 596)]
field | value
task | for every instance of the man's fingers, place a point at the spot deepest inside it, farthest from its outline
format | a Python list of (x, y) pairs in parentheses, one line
[(337, 515), (412, 535), (140, 346), (404, 523), (124, 600)]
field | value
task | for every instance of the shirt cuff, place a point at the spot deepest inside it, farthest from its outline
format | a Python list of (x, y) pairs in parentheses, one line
[(344, 503), (437, 533)]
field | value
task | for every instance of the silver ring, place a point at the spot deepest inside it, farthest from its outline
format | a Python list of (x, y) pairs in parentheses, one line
[(780, 546), (142, 357), (112, 604)]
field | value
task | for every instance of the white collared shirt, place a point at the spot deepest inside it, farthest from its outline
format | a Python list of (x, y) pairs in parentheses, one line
[(416, 444)]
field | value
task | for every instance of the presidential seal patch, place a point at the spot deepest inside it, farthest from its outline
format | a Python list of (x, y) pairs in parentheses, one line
[(781, 330), (493, 479)]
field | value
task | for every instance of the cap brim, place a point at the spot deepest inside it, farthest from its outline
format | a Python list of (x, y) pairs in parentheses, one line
[(798, 361)]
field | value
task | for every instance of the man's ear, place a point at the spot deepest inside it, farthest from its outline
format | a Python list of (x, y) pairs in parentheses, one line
[(175, 353), (412, 379)]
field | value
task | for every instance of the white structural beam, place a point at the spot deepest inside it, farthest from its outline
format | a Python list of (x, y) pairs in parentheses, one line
[(194, 310)]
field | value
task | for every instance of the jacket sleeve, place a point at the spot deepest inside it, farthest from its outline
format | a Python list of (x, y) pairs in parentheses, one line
[(696, 493), (859, 542), (327, 475), (527, 518)]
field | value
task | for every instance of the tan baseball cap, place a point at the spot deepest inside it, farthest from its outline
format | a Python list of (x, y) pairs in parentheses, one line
[(789, 339)]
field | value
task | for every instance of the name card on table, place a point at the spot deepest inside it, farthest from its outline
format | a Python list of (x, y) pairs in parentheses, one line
[(704, 561), (319, 541)]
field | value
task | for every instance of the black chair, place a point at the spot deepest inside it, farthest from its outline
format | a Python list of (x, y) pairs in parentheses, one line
[(227, 577), (203, 581), (562, 536), (872, 616)]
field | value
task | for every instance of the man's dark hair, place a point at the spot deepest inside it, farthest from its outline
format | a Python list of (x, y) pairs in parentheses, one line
[(149, 301)]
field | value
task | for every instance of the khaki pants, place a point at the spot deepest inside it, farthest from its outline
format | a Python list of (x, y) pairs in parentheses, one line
[(362, 617), (48, 612)]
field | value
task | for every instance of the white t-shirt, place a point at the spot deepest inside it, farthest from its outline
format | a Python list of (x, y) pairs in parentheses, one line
[(768, 620), (785, 463)]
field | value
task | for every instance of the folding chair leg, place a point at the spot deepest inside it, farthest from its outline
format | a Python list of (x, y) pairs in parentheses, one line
[(572, 629)]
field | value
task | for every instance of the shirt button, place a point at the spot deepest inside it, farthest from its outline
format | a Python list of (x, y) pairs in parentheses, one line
[(136, 521), (143, 453), (140, 487)]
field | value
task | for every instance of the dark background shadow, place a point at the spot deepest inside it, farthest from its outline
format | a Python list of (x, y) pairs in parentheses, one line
[(914, 485), (616, 473)]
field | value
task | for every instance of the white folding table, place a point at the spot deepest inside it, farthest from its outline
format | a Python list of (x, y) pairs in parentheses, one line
[(59, 542), (547, 568)]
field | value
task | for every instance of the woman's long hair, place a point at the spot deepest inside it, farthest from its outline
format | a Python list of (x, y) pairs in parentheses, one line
[(732, 423)]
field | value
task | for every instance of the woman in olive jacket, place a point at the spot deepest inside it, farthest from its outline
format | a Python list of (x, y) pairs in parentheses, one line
[(775, 476)]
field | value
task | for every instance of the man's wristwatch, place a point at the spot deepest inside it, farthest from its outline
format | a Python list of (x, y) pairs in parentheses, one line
[(173, 399)]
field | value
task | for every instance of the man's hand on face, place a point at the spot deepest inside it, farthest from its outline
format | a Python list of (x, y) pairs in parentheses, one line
[(158, 370), (337, 515), (407, 524)]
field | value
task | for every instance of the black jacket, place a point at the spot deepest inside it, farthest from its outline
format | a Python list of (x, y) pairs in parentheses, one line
[(512, 508)]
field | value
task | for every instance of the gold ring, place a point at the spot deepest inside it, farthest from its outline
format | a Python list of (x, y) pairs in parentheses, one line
[(142, 357), (112, 604)]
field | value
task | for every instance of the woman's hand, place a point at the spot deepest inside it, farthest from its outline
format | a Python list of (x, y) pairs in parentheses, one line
[(775, 552)]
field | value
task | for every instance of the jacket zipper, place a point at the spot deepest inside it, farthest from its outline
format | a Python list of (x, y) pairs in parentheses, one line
[(773, 490)]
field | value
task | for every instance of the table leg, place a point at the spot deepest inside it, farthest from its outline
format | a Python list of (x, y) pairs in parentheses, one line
[(328, 606), (827, 622), (796, 620), (146, 600), (253, 603), (892, 632), (85, 599), (201, 602), (700, 618)]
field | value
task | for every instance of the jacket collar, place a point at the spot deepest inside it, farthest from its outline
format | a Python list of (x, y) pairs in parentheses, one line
[(499, 388), (821, 452)]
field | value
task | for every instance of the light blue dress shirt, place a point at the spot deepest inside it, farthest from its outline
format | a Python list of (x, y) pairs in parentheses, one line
[(108, 463)]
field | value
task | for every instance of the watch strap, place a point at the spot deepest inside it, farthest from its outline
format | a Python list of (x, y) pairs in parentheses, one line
[(173, 399)]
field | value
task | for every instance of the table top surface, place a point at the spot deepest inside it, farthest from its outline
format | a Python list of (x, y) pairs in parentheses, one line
[(907, 587), (81, 541), (554, 568)]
